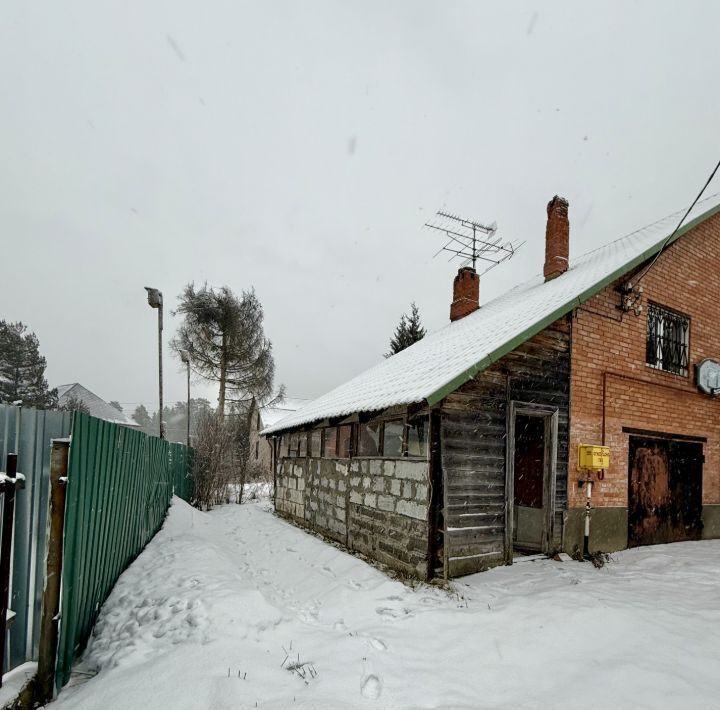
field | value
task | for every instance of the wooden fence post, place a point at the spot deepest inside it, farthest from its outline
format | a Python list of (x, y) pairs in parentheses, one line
[(50, 618)]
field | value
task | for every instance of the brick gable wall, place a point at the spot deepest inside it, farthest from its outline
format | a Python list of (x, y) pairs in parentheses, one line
[(611, 385)]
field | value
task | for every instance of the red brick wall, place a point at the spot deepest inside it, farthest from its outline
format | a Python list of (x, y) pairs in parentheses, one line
[(608, 364)]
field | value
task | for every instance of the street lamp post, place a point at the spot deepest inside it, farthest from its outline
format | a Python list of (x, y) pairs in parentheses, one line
[(185, 357), (155, 300)]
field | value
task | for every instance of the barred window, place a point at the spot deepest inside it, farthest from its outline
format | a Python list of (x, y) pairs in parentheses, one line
[(667, 340)]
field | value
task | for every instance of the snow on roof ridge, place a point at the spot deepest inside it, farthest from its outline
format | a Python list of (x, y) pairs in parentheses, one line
[(431, 368)]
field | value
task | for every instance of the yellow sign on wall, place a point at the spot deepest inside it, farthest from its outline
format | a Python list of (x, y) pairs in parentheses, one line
[(593, 458)]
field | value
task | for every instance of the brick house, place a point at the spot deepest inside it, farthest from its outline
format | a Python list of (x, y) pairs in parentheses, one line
[(460, 452)]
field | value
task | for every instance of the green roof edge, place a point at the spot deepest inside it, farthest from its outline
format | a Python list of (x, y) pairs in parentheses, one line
[(534, 329)]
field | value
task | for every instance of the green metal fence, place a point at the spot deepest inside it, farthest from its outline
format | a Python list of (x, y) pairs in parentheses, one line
[(120, 482), (181, 466), (27, 432)]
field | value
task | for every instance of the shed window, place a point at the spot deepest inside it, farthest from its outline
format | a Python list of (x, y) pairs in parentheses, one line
[(393, 438), (417, 437), (369, 439), (302, 444), (331, 442), (667, 340), (293, 450), (344, 438), (316, 443)]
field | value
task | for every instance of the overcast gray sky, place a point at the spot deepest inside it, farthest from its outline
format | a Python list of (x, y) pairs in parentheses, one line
[(298, 148)]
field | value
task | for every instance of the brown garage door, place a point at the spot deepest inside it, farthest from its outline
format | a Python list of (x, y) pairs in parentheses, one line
[(665, 491)]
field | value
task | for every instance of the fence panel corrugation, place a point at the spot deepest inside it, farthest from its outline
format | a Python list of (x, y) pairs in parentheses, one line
[(120, 482), (181, 462), (28, 433)]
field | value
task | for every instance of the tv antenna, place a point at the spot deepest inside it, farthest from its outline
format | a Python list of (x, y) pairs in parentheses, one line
[(472, 241)]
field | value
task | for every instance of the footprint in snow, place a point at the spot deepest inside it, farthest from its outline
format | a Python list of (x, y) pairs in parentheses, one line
[(370, 686), (388, 613), (377, 644), (430, 601)]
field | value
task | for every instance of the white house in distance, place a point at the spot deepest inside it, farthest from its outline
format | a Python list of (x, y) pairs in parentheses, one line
[(96, 406)]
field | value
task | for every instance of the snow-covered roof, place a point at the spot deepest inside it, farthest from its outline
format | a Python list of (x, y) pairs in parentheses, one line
[(97, 407), (441, 362), (273, 414)]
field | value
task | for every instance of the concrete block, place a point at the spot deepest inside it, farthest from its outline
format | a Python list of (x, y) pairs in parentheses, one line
[(421, 492), (378, 485), (412, 509), (408, 489), (356, 497), (376, 467), (355, 481), (711, 522), (412, 470), (341, 485), (395, 487), (366, 482), (370, 500), (386, 503)]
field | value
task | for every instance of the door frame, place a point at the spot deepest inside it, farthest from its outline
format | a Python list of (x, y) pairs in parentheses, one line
[(550, 415)]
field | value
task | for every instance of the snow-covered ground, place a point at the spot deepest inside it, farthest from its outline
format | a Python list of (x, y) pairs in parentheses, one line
[(238, 609)]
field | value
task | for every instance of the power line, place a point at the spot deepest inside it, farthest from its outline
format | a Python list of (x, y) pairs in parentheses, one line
[(680, 223)]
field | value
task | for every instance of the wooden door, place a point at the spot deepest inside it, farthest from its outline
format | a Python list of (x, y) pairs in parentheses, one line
[(665, 491)]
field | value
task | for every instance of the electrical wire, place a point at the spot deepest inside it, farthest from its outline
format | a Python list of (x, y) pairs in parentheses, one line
[(680, 223)]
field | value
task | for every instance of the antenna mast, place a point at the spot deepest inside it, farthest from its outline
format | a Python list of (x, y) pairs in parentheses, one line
[(472, 241)]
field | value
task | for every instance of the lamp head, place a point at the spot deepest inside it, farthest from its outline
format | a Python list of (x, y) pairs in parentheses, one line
[(155, 299)]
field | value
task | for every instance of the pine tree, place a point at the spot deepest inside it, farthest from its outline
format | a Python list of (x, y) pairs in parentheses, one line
[(409, 331), (22, 368), (141, 416), (116, 405), (226, 341)]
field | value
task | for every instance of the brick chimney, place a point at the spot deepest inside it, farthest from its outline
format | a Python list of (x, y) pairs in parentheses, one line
[(557, 238), (466, 293)]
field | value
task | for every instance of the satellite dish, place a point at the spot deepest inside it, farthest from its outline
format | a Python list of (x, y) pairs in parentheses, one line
[(707, 375)]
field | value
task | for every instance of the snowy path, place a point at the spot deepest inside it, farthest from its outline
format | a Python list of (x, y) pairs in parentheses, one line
[(205, 616)]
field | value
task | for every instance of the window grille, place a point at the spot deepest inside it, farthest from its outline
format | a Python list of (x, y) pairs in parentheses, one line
[(667, 340)]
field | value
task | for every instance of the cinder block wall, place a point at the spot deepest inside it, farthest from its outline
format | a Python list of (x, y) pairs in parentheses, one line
[(609, 375), (376, 506)]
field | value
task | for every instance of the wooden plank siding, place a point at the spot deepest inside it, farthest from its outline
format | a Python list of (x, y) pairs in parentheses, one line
[(474, 437)]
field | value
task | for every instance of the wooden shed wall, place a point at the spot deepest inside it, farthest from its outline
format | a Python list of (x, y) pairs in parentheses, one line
[(473, 436)]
